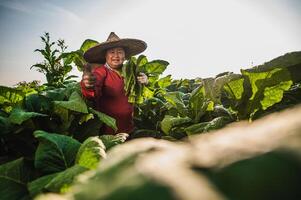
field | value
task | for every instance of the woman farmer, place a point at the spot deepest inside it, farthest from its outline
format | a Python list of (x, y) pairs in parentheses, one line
[(104, 84)]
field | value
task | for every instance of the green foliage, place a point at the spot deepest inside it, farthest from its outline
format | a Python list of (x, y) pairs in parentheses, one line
[(256, 91), (37, 186), (14, 176), (18, 116), (10, 97), (62, 181), (77, 56), (110, 141), (90, 153), (74, 103), (109, 121), (55, 152), (118, 180), (55, 66), (214, 124), (132, 68), (47, 123), (170, 122), (274, 175)]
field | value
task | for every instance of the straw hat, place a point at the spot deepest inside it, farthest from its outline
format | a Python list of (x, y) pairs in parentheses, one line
[(97, 53)]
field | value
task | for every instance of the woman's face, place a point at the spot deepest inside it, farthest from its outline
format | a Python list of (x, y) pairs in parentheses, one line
[(115, 57)]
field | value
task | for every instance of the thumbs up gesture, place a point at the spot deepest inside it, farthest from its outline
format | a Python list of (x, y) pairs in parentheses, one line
[(88, 78)]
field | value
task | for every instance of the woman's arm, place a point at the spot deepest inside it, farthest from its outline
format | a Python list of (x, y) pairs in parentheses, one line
[(92, 81)]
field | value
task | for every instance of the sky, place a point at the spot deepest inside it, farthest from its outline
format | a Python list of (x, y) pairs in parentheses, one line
[(199, 38)]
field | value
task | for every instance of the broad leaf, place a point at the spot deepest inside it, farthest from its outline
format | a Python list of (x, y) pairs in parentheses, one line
[(85, 118), (90, 153), (75, 103), (63, 180), (86, 129), (213, 87), (38, 103), (18, 115), (55, 152), (14, 176), (169, 122), (5, 125), (175, 99), (291, 61), (141, 60), (37, 186), (263, 85), (214, 124), (156, 67), (120, 178), (87, 44), (10, 97), (164, 82), (198, 104), (109, 121), (111, 140)]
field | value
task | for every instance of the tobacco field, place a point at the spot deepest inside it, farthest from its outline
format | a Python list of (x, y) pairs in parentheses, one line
[(184, 145)]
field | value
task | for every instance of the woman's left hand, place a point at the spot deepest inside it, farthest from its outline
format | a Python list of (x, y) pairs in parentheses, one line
[(142, 78)]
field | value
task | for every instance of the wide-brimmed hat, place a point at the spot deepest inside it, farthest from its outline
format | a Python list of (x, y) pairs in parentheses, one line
[(97, 53)]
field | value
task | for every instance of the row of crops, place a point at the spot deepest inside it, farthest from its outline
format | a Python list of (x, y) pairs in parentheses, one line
[(50, 134)]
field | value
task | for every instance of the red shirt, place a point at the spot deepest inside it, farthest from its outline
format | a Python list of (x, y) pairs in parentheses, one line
[(109, 97)]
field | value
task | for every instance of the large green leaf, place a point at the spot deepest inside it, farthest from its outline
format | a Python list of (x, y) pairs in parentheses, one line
[(87, 44), (267, 89), (175, 99), (109, 121), (38, 103), (5, 125), (164, 82), (90, 153), (112, 140), (55, 152), (132, 87), (291, 61), (169, 122), (18, 115), (198, 103), (14, 176), (67, 119), (75, 103), (234, 93), (10, 97), (86, 129), (234, 89), (141, 61), (58, 94), (213, 87), (214, 124), (256, 91), (63, 180), (120, 178), (37, 186), (77, 58), (156, 67)]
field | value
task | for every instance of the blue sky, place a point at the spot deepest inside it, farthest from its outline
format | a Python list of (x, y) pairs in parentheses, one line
[(200, 38)]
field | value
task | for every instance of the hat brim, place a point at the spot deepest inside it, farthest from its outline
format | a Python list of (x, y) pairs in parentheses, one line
[(97, 53)]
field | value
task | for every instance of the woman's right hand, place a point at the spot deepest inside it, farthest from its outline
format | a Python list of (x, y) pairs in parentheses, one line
[(88, 78)]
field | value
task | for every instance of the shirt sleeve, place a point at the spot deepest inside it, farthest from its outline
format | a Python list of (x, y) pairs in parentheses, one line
[(100, 74)]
